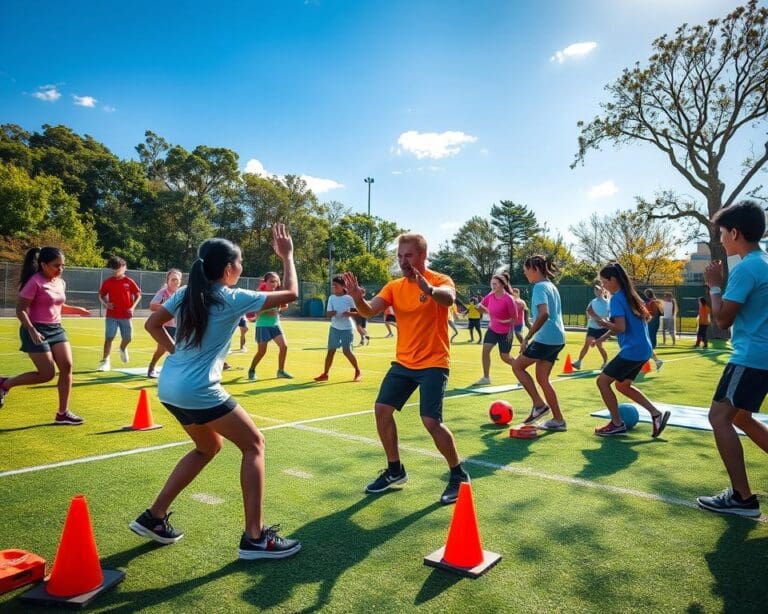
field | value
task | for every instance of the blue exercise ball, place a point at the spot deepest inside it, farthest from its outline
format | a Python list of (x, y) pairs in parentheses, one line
[(629, 414)]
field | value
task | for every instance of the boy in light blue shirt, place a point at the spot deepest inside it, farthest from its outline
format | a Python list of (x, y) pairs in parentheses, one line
[(744, 384)]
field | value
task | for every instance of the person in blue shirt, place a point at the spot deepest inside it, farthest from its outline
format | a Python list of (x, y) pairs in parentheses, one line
[(208, 311), (543, 343), (598, 307), (744, 383), (629, 320)]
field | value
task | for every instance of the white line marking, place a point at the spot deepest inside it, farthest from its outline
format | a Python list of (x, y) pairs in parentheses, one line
[(209, 499), (298, 473)]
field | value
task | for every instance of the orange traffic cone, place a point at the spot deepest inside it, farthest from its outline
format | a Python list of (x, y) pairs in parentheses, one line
[(76, 576), (142, 419), (646, 367), (568, 367), (463, 553)]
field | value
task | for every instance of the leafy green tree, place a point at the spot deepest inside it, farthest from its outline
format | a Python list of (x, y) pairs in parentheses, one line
[(457, 267), (369, 269), (476, 241), (514, 224)]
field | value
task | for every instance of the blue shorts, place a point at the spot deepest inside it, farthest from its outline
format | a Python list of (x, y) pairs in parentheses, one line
[(518, 328), (596, 333), (201, 416), (340, 338), (267, 333), (543, 351), (125, 326), (500, 339), (52, 334), (400, 382)]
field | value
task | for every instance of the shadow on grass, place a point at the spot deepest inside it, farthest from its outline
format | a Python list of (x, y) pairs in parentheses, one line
[(500, 450), (281, 388), (436, 582), (613, 455), (29, 426)]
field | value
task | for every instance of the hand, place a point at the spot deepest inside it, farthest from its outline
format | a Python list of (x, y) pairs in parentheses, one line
[(713, 274), (353, 289), (523, 344), (282, 242), (109, 305), (85, 312), (130, 312), (423, 283), (35, 335)]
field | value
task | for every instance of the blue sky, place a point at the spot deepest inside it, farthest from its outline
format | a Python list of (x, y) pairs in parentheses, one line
[(450, 106)]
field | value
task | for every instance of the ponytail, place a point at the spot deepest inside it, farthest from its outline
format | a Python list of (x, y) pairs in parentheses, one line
[(34, 258), (615, 271), (545, 264)]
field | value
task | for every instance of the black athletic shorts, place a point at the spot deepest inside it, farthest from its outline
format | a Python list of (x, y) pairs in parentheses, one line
[(201, 416), (543, 351), (502, 340), (621, 368), (52, 334), (596, 333), (400, 382), (742, 387)]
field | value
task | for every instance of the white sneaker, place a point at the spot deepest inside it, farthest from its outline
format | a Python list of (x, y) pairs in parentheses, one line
[(124, 355), (104, 365), (244, 349), (151, 373), (553, 425), (483, 381), (576, 365)]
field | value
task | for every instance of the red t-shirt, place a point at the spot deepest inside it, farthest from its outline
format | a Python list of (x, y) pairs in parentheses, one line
[(122, 293)]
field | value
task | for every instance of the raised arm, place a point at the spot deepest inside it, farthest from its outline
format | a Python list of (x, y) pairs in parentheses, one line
[(367, 309), (282, 243)]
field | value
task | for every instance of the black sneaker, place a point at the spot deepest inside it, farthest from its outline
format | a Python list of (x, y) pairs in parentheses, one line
[(728, 502), (68, 419), (269, 546), (387, 480), (451, 492), (157, 529)]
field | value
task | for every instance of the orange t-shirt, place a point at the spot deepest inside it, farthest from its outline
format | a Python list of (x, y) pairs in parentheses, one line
[(703, 315), (422, 323)]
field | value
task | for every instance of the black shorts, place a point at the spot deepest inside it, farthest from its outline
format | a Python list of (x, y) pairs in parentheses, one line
[(400, 382), (621, 368), (502, 340), (742, 387), (390, 318), (52, 334), (201, 416), (360, 321), (596, 333), (542, 351)]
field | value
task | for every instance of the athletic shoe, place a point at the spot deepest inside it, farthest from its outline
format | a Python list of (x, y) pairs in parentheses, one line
[(323, 377), (284, 374), (536, 413), (104, 365), (124, 355), (659, 422), (269, 545), (729, 502), (252, 375), (226, 366), (156, 529), (483, 381), (611, 429), (358, 377), (367, 340), (553, 425), (576, 364), (3, 392), (389, 335), (244, 349), (387, 480), (659, 365), (68, 419), (451, 492), (152, 373)]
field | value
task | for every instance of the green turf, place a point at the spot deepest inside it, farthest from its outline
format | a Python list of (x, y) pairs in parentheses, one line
[(571, 540)]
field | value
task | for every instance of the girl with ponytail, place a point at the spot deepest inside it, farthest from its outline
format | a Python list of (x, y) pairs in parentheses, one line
[(544, 341), (41, 302), (208, 311), (629, 320)]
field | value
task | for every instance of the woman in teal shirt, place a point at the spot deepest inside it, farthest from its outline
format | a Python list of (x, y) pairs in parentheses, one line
[(268, 329)]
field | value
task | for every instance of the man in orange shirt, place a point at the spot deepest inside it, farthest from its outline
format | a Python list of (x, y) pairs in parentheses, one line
[(421, 300)]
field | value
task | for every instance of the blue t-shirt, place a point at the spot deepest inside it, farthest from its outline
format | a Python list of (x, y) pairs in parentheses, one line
[(191, 376), (748, 285), (553, 331), (600, 307), (634, 341)]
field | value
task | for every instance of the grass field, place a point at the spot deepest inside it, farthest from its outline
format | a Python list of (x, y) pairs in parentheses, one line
[(583, 524)]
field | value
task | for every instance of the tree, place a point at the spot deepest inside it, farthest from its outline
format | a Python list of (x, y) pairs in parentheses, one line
[(476, 241), (514, 224), (645, 248), (368, 268), (699, 90), (453, 264)]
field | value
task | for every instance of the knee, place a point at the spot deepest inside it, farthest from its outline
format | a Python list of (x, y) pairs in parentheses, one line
[(208, 452), (719, 419), (623, 387), (742, 419), (603, 382), (433, 426), (255, 445), (65, 369), (47, 373)]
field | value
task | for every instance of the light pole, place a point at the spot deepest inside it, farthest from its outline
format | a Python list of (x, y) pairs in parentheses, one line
[(369, 181)]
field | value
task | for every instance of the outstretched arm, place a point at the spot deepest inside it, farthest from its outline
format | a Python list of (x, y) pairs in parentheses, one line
[(367, 309)]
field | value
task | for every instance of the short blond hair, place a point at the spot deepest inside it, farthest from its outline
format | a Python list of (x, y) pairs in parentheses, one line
[(412, 237)]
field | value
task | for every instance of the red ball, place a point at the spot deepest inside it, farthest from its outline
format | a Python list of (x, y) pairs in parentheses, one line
[(501, 412)]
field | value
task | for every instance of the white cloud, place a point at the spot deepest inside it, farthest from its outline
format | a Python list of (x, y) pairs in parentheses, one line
[(109, 108), (434, 145), (319, 186), (432, 168), (450, 225), (576, 50), (397, 172), (84, 101), (47, 93), (254, 167), (602, 190)]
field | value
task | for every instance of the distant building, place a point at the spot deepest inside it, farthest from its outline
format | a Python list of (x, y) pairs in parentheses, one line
[(693, 273)]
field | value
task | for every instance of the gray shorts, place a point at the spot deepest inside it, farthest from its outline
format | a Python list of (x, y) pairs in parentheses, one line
[(668, 325), (52, 334), (340, 338), (124, 324)]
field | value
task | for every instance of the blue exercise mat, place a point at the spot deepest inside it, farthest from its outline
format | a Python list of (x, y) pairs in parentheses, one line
[(681, 415)]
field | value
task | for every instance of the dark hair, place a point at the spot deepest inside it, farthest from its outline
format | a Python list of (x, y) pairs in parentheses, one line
[(115, 262), (338, 279), (503, 279), (650, 293), (270, 274), (545, 264), (615, 271), (213, 256), (702, 300), (746, 216), (34, 258)]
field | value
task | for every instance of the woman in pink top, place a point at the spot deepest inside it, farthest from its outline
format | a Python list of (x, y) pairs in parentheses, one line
[(503, 311), (172, 283), (40, 305)]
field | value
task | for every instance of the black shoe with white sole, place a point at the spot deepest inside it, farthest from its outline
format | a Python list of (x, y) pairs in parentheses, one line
[(156, 529), (387, 480), (270, 545)]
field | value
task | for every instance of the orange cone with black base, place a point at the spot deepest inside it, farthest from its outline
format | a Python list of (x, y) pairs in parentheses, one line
[(142, 419), (463, 553), (76, 576), (568, 367)]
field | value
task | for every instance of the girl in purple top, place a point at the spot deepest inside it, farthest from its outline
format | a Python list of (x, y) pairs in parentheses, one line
[(172, 283), (503, 311), (40, 304)]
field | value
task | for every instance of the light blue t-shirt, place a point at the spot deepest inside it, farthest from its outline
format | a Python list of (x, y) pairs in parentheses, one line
[(601, 307), (191, 376), (634, 342), (340, 304), (553, 331), (748, 285)]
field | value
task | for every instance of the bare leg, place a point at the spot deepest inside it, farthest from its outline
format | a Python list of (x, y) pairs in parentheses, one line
[(628, 390), (584, 349), (609, 397), (62, 355), (46, 371), (721, 417), (107, 348), (387, 429), (443, 439), (486, 359), (156, 356), (543, 369), (521, 363), (755, 430), (261, 349), (329, 361), (601, 349), (351, 358), (283, 351)]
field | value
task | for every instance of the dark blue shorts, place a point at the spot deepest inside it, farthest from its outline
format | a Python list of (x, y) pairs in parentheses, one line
[(621, 369), (267, 333), (742, 387), (201, 416), (502, 340), (400, 382), (171, 331), (542, 351), (596, 333), (52, 334)]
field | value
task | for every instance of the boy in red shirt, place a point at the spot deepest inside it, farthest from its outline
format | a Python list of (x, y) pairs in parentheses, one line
[(119, 294)]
